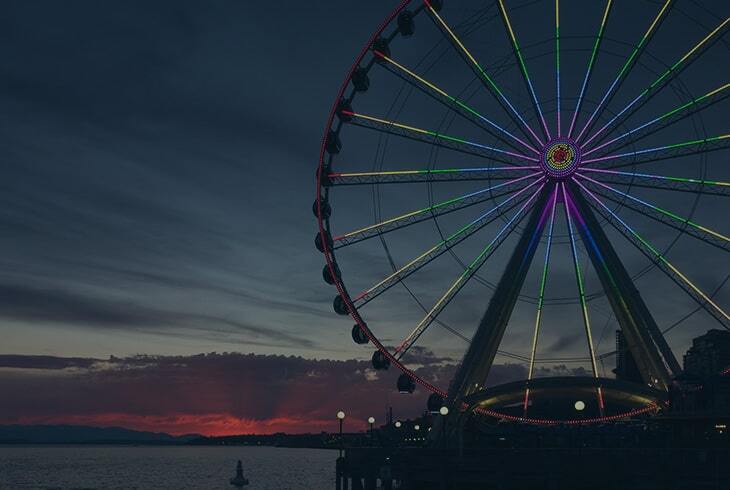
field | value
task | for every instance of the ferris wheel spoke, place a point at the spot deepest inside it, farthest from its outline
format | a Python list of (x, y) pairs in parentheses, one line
[(678, 322), (651, 252), (424, 175), (625, 69), (465, 276), (452, 102), (589, 70), (444, 207), (660, 82), (664, 182), (667, 118), (480, 72), (541, 296), (523, 67), (433, 137), (581, 291), (445, 245), (557, 62), (661, 218), (663, 152), (667, 217)]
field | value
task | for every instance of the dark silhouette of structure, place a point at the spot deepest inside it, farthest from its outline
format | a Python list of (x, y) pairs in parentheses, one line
[(684, 446), (626, 368), (709, 354)]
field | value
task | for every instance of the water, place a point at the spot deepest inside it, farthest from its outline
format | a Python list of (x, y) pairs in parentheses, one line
[(173, 468)]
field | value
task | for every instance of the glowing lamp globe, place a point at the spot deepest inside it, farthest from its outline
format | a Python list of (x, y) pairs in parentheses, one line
[(371, 420), (341, 415), (398, 424), (580, 406), (444, 411)]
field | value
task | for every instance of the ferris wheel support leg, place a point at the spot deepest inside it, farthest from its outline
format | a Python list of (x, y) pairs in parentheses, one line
[(646, 343), (479, 357)]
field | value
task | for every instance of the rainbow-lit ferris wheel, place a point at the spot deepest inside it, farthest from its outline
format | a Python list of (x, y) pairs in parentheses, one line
[(535, 182)]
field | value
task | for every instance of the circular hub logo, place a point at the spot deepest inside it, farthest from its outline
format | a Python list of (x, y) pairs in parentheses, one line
[(560, 158)]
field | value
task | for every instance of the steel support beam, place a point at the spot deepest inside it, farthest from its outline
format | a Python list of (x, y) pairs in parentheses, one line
[(647, 345), (479, 357)]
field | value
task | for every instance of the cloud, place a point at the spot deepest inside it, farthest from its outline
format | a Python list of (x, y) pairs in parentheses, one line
[(209, 393), (56, 306), (216, 393)]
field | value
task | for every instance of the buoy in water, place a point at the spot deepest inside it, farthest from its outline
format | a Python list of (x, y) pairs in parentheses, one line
[(239, 480)]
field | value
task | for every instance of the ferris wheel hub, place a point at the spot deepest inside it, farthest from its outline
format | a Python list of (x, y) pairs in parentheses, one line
[(560, 158)]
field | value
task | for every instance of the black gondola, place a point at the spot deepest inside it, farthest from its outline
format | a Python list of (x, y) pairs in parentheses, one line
[(380, 361), (359, 336), (406, 385)]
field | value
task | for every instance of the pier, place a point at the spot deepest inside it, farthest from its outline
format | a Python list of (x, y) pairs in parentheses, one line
[(544, 468)]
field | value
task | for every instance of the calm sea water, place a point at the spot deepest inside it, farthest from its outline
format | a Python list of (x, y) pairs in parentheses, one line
[(118, 467)]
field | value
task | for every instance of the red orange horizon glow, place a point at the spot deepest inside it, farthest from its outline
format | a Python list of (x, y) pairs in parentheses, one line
[(210, 424)]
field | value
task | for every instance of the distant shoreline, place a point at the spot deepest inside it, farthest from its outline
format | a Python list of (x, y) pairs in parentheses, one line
[(123, 444), (79, 435)]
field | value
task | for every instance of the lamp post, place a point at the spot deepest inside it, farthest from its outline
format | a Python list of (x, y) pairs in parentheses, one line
[(341, 417), (398, 424), (444, 411)]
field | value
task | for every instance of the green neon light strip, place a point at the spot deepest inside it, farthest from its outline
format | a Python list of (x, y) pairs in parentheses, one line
[(660, 118), (658, 177), (461, 280), (592, 59), (658, 209), (453, 100), (579, 279), (658, 255), (659, 80), (518, 51), (429, 171), (624, 68), (436, 206), (435, 134), (658, 148), (444, 243), (541, 297), (581, 292), (481, 71)]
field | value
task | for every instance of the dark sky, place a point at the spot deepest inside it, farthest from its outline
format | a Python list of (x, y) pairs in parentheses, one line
[(159, 161), (158, 171)]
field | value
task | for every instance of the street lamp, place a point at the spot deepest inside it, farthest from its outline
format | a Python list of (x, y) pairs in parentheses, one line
[(398, 424), (444, 411), (416, 427), (341, 417), (371, 421)]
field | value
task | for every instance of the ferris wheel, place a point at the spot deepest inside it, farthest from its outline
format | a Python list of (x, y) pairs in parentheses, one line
[(506, 179)]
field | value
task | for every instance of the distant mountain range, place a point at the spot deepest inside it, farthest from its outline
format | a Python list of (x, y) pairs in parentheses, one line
[(80, 434)]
